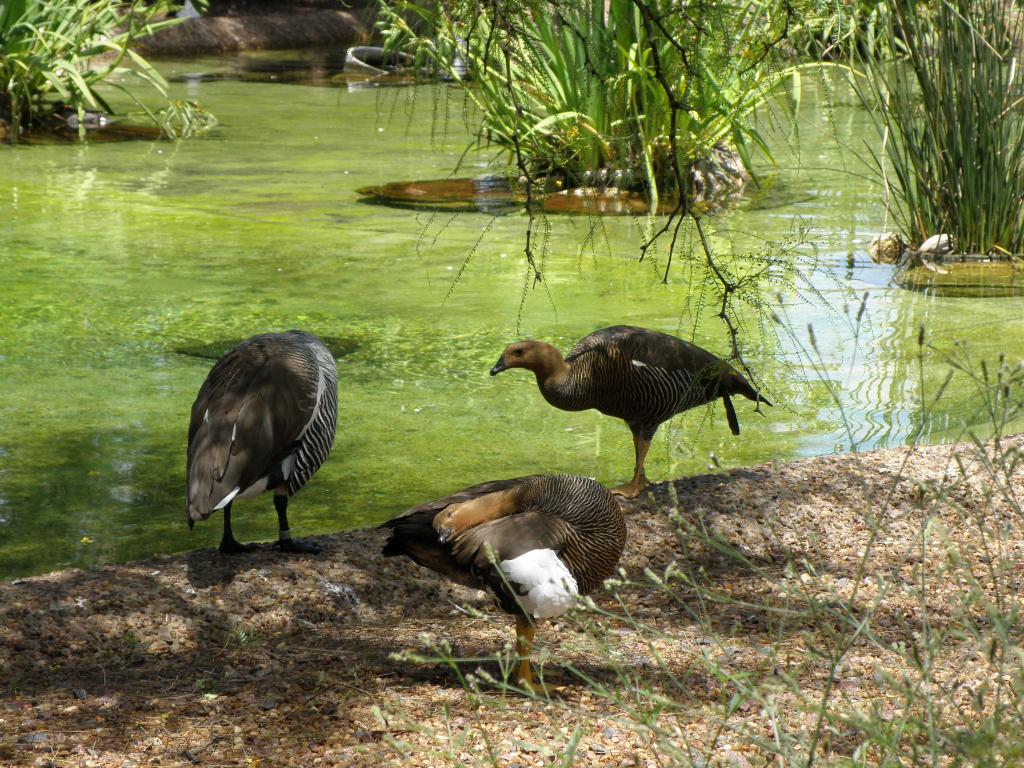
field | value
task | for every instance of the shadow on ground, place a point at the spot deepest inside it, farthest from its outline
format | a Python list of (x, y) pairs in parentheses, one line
[(207, 659)]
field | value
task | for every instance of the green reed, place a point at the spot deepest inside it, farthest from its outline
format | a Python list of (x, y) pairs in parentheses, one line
[(61, 50), (952, 157), (628, 92)]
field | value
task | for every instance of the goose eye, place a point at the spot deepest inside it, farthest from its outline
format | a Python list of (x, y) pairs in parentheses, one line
[(517, 353)]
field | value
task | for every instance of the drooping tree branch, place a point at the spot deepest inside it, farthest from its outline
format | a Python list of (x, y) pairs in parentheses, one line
[(521, 164), (675, 104)]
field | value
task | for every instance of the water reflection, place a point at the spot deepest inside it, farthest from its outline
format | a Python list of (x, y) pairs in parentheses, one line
[(487, 194), (129, 268), (319, 67), (967, 279)]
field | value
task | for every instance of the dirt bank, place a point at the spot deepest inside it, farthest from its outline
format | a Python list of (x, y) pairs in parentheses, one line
[(300, 27), (267, 659)]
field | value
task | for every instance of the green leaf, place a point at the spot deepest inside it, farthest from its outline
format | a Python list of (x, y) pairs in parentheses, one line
[(11, 12), (84, 91)]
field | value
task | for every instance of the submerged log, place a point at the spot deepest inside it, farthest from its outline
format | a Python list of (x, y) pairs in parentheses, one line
[(717, 181), (935, 267), (969, 276)]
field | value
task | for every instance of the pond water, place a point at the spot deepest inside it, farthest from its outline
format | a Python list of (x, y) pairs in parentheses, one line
[(128, 266)]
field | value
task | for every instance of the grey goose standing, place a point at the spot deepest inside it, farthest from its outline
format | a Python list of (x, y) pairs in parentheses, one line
[(535, 542), (640, 376), (264, 420)]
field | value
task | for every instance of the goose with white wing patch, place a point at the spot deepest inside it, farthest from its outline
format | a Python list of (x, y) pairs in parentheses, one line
[(537, 543), (643, 377), (264, 420)]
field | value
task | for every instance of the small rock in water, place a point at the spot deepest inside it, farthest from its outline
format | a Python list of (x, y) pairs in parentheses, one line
[(887, 248), (937, 245)]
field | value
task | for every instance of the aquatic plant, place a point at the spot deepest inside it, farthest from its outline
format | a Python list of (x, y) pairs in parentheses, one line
[(834, 30), (183, 117), (626, 92), (952, 154), (54, 53)]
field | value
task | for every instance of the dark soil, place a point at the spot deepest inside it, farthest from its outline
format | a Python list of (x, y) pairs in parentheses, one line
[(273, 659)]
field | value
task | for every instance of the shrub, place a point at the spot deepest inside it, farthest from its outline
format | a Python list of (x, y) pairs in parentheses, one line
[(62, 49), (633, 91)]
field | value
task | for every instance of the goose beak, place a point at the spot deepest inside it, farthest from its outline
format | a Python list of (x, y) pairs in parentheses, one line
[(499, 366), (444, 534)]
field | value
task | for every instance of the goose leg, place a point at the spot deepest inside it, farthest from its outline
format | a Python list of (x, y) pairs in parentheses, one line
[(228, 545), (525, 630), (632, 489), (285, 542)]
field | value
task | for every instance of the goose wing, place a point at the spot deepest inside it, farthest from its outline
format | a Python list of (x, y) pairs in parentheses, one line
[(466, 494), (520, 559), (249, 413), (599, 341), (509, 537), (467, 558), (644, 347), (658, 350), (413, 533)]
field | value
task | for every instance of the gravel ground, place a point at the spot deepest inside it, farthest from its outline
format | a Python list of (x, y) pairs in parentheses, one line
[(272, 659)]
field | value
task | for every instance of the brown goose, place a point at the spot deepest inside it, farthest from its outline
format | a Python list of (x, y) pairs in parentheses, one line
[(536, 542), (641, 376), (263, 421)]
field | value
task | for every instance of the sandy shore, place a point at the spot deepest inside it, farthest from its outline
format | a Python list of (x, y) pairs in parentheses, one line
[(271, 659)]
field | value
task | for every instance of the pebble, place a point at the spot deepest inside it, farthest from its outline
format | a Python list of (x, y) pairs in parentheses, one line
[(937, 245)]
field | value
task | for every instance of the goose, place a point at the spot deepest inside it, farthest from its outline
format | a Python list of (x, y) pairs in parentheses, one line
[(535, 542), (640, 376), (264, 420)]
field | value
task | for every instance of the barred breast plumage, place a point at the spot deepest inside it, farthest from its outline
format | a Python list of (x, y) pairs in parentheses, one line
[(638, 375), (264, 419), (536, 542)]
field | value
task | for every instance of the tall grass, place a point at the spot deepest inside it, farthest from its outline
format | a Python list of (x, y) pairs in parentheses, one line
[(835, 30), (628, 91), (60, 50), (953, 155)]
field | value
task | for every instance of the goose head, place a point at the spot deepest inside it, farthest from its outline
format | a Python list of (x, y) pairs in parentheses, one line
[(537, 356)]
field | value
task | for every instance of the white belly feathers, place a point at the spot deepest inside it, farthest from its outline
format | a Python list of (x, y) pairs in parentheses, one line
[(545, 586)]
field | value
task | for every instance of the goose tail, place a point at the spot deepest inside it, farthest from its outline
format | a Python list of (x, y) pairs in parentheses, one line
[(413, 535), (730, 415), (736, 384), (407, 533)]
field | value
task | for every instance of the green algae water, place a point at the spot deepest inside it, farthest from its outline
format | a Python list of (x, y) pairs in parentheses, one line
[(128, 268)]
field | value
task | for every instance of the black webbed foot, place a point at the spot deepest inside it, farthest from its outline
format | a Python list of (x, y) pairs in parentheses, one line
[(294, 545), (232, 547)]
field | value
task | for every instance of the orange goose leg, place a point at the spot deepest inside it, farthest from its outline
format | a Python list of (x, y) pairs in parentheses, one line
[(632, 489), (525, 631)]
